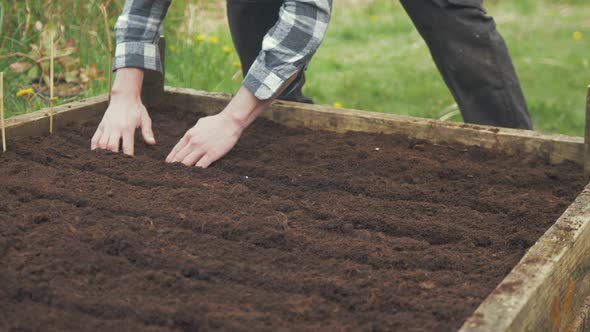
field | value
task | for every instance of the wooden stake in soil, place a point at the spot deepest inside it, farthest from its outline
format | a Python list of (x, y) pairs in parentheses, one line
[(587, 137), (103, 9), (51, 60), (2, 111)]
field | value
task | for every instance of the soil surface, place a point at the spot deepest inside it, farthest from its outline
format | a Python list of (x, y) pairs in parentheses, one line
[(294, 230)]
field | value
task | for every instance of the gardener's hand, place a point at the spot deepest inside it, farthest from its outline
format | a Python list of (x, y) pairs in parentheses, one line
[(214, 136), (120, 121), (210, 139), (124, 115)]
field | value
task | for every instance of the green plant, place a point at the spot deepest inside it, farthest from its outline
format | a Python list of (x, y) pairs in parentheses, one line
[(36, 63)]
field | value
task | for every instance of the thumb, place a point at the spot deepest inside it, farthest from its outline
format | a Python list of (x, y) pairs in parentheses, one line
[(146, 130)]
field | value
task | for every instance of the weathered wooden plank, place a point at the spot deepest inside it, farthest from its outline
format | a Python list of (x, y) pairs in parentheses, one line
[(547, 289), (37, 123), (557, 148), (587, 137), (582, 321)]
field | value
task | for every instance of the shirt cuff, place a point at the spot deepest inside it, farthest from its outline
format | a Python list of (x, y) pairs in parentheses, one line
[(263, 82), (138, 55)]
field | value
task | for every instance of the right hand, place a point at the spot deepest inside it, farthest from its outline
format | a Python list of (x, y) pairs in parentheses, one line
[(123, 116)]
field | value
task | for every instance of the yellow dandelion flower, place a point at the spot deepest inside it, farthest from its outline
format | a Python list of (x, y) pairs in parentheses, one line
[(338, 105), (577, 35), (24, 92), (201, 38), (237, 65), (55, 98), (213, 39), (226, 49), (374, 18), (172, 48)]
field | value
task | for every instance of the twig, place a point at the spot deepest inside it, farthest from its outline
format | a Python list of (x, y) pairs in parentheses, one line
[(10, 55), (2, 111), (103, 9), (37, 61), (28, 21), (449, 115), (80, 17), (51, 86), (448, 112)]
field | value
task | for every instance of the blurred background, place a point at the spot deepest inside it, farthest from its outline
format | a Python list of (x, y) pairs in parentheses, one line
[(372, 58)]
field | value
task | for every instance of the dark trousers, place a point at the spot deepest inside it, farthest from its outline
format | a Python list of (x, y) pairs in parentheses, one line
[(469, 52)]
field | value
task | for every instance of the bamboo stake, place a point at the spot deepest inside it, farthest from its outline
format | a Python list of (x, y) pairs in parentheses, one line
[(51, 86), (28, 20), (80, 17), (2, 111), (103, 9)]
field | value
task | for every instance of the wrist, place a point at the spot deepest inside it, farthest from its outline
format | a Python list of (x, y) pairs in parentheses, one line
[(237, 122), (119, 95), (244, 108), (127, 85)]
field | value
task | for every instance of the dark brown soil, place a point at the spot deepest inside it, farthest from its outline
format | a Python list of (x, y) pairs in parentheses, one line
[(294, 229)]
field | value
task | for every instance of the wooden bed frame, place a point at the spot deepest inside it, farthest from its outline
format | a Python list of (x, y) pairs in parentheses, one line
[(548, 290)]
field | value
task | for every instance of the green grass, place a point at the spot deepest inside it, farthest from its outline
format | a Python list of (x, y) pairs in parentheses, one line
[(385, 66), (205, 65), (91, 42), (372, 58)]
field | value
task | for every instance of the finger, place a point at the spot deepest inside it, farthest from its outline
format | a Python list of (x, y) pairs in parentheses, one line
[(104, 140), (206, 161), (128, 142), (193, 157), (179, 146), (183, 153), (114, 142), (146, 130), (96, 138)]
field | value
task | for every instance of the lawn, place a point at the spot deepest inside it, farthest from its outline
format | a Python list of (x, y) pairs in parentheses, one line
[(372, 59)]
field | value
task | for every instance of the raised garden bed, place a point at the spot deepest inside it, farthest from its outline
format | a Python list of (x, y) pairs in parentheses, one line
[(409, 229)]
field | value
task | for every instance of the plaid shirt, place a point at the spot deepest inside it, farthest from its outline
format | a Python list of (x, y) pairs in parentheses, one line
[(286, 49)]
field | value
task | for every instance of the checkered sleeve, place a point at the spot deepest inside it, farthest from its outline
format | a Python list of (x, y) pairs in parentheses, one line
[(137, 32), (289, 45)]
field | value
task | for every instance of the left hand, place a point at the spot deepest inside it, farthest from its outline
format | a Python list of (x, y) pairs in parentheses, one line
[(209, 140)]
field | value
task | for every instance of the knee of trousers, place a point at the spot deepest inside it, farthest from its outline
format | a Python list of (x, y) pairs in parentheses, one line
[(445, 19), (454, 28), (463, 40), (465, 3)]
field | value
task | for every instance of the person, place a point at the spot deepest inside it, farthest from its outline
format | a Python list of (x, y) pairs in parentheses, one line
[(467, 48), (286, 49), (464, 43)]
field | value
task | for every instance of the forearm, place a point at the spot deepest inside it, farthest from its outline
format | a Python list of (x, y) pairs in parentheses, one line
[(289, 45), (245, 107)]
